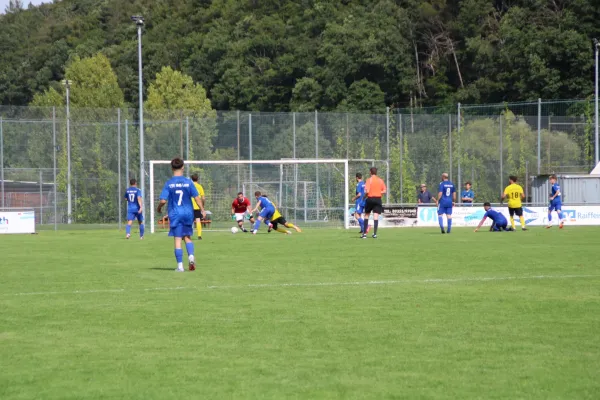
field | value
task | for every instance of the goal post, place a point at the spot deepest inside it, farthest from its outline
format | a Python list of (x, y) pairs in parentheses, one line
[(311, 192)]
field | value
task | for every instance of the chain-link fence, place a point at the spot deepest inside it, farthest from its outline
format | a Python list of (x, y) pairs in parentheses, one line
[(74, 169)]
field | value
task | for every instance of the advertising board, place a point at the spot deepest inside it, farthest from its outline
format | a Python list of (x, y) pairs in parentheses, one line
[(17, 222)]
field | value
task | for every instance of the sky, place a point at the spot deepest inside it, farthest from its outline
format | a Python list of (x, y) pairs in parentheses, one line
[(4, 3)]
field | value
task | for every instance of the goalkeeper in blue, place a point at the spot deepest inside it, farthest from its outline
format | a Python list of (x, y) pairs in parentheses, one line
[(178, 193), (499, 221), (134, 208), (266, 212), (360, 200)]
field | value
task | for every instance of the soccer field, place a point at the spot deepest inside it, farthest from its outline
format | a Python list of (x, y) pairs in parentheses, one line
[(322, 314)]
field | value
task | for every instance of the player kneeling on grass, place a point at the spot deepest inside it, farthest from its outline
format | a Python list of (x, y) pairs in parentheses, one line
[(499, 222), (240, 208), (178, 193)]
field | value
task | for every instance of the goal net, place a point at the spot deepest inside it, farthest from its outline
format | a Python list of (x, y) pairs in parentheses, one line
[(311, 193)]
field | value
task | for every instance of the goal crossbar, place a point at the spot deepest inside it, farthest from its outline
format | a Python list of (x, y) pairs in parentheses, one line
[(281, 162)]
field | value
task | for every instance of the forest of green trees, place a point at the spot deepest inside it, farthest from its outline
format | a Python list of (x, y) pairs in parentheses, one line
[(301, 55)]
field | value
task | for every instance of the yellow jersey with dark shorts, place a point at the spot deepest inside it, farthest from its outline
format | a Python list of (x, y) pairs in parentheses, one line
[(514, 194)]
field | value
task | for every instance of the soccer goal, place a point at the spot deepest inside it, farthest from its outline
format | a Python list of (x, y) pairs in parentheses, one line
[(309, 192)]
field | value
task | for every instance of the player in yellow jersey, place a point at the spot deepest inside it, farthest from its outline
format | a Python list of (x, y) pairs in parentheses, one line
[(197, 210), (515, 195), (278, 219)]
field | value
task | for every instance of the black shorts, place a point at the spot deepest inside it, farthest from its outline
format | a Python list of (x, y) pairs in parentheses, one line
[(513, 211), (197, 214), (277, 221), (374, 205)]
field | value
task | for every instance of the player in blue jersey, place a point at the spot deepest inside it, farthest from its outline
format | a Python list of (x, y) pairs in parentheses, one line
[(359, 200), (266, 212), (178, 193), (499, 223), (555, 203), (134, 208), (446, 200)]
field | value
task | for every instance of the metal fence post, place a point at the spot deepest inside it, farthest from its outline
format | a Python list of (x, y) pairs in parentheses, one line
[(401, 158), (348, 138), (126, 152), (54, 162), (450, 143), (250, 139), (539, 138), (187, 138), (501, 155), (2, 160), (69, 191), (387, 170), (238, 150), (458, 124), (317, 157), (119, 205), (41, 199), (294, 135)]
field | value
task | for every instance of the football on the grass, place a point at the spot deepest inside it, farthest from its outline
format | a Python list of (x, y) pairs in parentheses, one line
[(234, 230)]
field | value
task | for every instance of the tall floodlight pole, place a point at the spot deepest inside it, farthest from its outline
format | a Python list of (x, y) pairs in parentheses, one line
[(139, 21), (67, 84), (597, 148)]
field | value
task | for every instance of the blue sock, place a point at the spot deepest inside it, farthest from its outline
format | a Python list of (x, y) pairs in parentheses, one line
[(128, 229), (441, 221), (179, 255), (550, 217), (141, 230), (560, 215), (361, 223), (257, 224), (190, 248), (449, 224)]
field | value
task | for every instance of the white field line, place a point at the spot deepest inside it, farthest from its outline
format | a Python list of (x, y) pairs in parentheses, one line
[(311, 284)]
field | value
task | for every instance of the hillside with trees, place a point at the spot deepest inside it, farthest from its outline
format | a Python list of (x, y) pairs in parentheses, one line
[(302, 55)]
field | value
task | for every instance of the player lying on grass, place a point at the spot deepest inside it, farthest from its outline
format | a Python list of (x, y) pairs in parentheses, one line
[(178, 193), (240, 208), (267, 209), (279, 219), (134, 208), (499, 222)]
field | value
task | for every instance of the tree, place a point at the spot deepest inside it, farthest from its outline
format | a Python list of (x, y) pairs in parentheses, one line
[(175, 98)]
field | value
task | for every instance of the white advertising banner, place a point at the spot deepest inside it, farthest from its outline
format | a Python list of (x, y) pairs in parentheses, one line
[(534, 216), (393, 216), (17, 222)]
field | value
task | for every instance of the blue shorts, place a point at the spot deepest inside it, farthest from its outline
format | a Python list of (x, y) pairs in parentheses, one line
[(555, 207), (181, 230), (133, 215), (498, 226), (445, 210), (267, 213), (360, 208)]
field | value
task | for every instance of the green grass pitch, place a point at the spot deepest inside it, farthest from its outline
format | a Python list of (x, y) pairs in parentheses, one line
[(322, 314)]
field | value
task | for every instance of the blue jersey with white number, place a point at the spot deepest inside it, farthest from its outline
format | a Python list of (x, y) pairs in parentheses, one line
[(132, 194), (266, 203), (178, 192), (495, 216), (447, 189), (360, 190), (556, 189)]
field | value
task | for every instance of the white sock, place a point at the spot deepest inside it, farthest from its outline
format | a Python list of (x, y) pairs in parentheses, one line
[(179, 265), (191, 258)]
